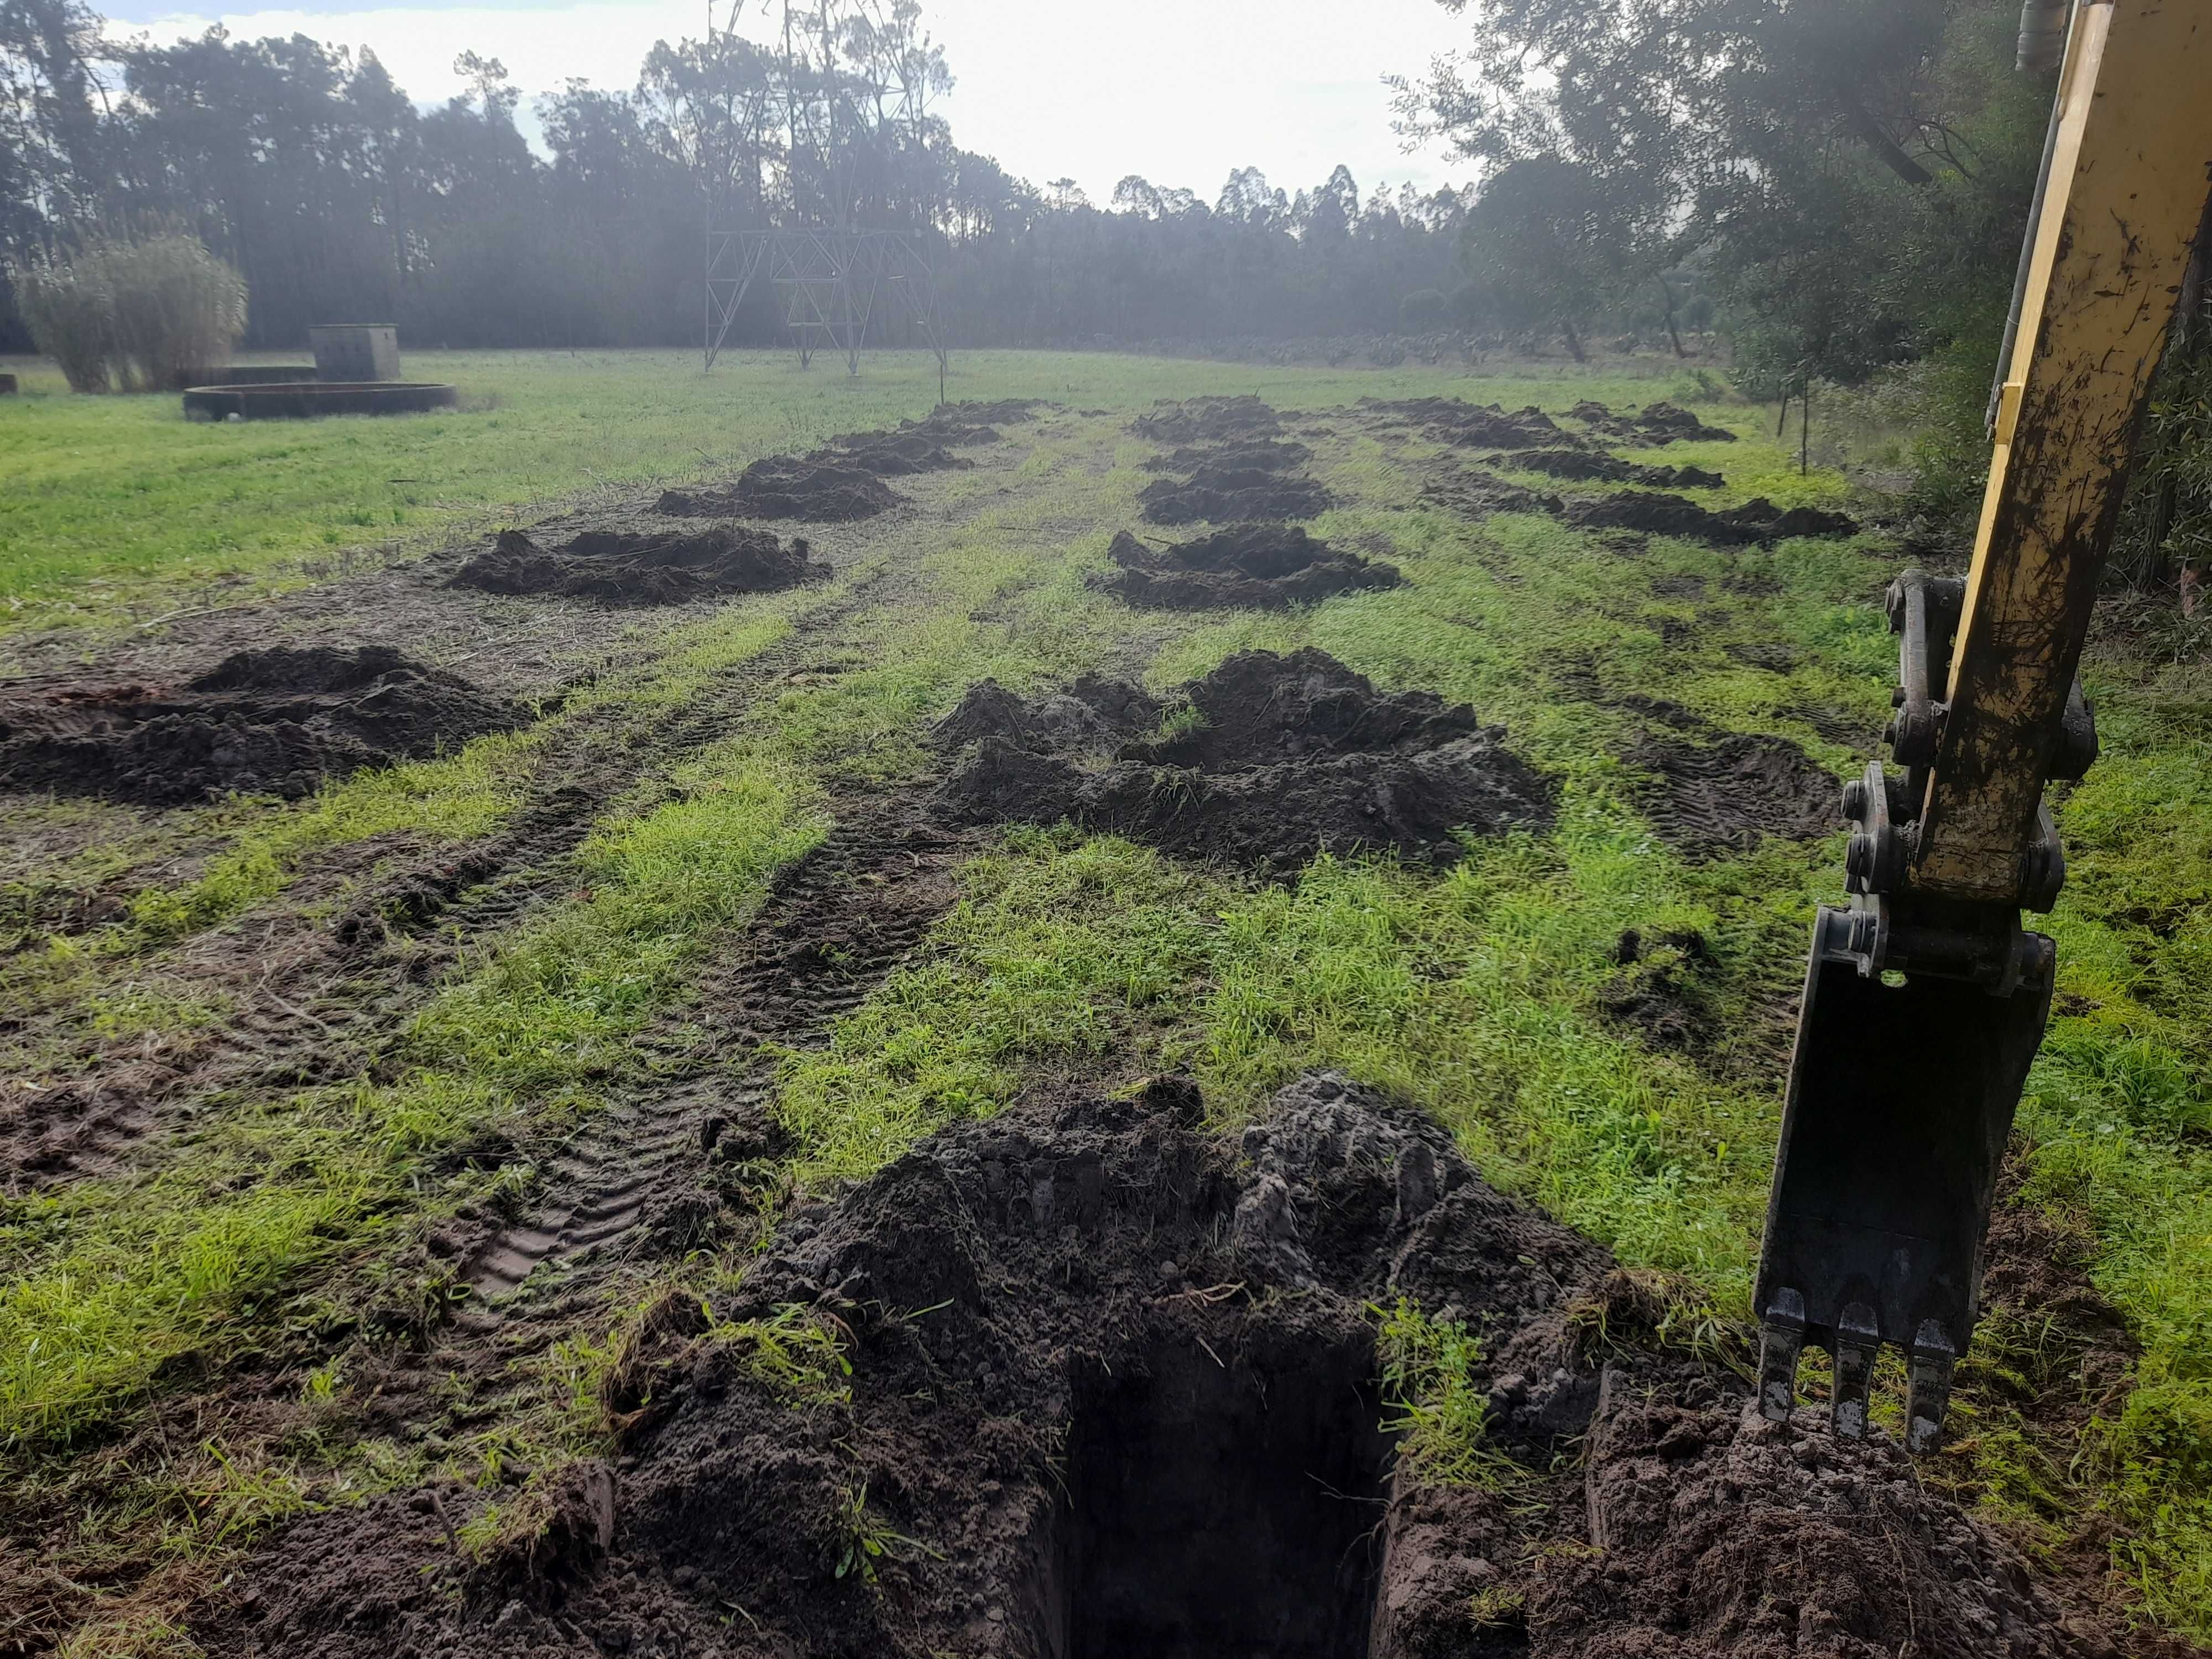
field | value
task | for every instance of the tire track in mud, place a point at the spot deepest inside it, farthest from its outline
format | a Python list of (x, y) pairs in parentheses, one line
[(314, 1000), (837, 924)]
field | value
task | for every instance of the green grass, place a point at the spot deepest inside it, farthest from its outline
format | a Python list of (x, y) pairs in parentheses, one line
[(118, 506), (1476, 992)]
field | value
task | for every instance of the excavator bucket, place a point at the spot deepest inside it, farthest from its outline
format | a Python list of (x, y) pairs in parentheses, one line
[(1901, 1096)]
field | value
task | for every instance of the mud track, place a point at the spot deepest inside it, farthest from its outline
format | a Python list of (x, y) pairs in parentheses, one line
[(1114, 1390)]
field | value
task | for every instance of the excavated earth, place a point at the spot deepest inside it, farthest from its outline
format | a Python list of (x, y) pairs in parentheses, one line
[(1594, 464), (1268, 759), (1251, 455), (277, 721), (1113, 1390), (1257, 566), (828, 486), (619, 568), (1655, 426), (1208, 421), (1218, 494), (1464, 425), (1758, 521)]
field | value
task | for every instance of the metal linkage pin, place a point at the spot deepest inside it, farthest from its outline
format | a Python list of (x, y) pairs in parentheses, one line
[(1932, 1359), (1859, 1339), (1781, 1338)]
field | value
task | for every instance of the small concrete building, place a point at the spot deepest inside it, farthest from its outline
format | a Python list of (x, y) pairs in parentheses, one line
[(355, 351)]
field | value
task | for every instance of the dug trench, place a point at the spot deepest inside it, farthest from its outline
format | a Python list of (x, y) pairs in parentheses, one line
[(1088, 1379)]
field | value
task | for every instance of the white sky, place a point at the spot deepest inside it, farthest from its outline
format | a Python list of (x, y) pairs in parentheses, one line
[(1179, 90)]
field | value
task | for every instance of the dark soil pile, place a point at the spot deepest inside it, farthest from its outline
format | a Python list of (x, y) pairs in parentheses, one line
[(1257, 455), (1756, 522), (1112, 1391), (1207, 421), (1276, 758), (1468, 425), (272, 722), (1219, 494), (616, 568), (1710, 800), (1258, 566), (1474, 493), (1657, 425), (1587, 464), (822, 489), (893, 454)]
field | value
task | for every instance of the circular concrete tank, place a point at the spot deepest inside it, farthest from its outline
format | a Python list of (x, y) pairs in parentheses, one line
[(304, 400)]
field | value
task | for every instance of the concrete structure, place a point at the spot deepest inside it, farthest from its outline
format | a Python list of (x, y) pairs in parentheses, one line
[(7, 386), (355, 352), (303, 401)]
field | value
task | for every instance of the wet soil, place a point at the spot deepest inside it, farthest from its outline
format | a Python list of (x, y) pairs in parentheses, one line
[(1254, 455), (1655, 426), (1661, 990), (1208, 421), (1219, 494), (1114, 1390), (1255, 566), (1756, 522), (1267, 760), (278, 722), (619, 568), (826, 487), (1710, 800), (1594, 464), (1475, 493), (1468, 426)]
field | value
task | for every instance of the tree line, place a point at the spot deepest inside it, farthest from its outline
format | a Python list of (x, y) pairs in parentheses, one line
[(311, 171)]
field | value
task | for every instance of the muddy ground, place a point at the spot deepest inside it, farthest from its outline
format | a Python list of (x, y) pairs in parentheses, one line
[(1115, 1381), (634, 567), (1112, 1391), (1264, 567), (270, 722), (1268, 759)]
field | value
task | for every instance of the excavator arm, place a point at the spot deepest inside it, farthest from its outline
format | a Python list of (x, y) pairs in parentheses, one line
[(1926, 998)]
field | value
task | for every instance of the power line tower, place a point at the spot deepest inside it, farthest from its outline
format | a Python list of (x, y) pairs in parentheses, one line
[(832, 279)]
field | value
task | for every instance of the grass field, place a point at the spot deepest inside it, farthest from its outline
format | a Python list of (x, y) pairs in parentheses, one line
[(187, 1338), (118, 508)]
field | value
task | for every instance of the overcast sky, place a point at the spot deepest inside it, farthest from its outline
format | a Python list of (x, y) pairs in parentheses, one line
[(1179, 90)]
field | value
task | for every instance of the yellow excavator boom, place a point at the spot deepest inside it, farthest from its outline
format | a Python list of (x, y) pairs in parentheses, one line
[(1925, 1000)]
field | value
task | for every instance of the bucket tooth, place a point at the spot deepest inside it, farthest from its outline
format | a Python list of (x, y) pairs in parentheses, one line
[(1932, 1361), (1781, 1338), (1857, 1340)]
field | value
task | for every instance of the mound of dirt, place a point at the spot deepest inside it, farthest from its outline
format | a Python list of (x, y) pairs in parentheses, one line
[(821, 488), (1207, 421), (1218, 494), (1758, 521), (1474, 493), (1273, 759), (1468, 425), (1656, 426), (894, 454), (1710, 800), (1257, 566), (1114, 1390), (616, 568), (1586, 465), (1257, 455), (272, 722)]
